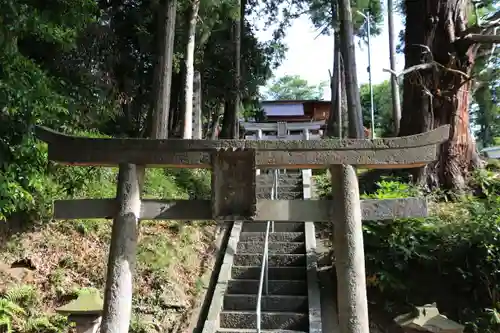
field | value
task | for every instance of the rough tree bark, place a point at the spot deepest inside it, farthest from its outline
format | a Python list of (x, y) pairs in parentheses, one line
[(163, 71), (334, 123), (189, 62), (230, 124), (351, 81), (439, 54), (396, 103)]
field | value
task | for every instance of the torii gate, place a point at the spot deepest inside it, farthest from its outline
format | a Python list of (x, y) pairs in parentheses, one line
[(233, 164), (282, 130)]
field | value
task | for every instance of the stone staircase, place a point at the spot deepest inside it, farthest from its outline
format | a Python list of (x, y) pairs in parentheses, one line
[(290, 186), (287, 306)]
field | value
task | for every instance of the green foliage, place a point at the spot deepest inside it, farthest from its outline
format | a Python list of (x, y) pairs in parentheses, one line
[(321, 15), (390, 189), (22, 315), (485, 111), (382, 105), (24, 295), (89, 65), (29, 95), (293, 87), (45, 324), (9, 313), (452, 257)]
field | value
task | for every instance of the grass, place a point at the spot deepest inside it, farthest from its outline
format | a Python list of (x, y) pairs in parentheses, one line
[(71, 256)]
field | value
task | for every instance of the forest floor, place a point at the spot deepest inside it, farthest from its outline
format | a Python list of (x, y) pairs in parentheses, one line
[(52, 262), (58, 259)]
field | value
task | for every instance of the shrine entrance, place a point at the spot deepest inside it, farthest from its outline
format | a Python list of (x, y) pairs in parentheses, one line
[(233, 165)]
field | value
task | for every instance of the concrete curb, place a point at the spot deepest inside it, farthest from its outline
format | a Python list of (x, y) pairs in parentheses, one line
[(314, 296), (306, 183), (209, 279), (212, 322)]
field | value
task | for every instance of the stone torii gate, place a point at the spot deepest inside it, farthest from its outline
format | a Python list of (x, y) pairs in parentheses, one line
[(233, 164)]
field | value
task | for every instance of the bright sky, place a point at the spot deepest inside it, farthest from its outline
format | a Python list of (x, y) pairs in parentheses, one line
[(311, 56)]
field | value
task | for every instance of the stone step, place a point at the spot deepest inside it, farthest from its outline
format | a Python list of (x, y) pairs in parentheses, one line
[(289, 195), (274, 260), (264, 177), (265, 189), (276, 287), (275, 273), (269, 320), (273, 237), (270, 303), (260, 226), (273, 247)]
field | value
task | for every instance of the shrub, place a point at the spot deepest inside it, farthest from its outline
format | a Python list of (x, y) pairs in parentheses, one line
[(451, 258)]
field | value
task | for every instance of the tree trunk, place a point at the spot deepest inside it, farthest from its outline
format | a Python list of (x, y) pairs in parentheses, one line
[(334, 123), (348, 55), (228, 120), (162, 81), (236, 100), (215, 121), (189, 63), (230, 124), (163, 72), (439, 94), (396, 103), (343, 100)]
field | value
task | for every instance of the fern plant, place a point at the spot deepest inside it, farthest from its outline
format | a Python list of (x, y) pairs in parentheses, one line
[(9, 312), (39, 324)]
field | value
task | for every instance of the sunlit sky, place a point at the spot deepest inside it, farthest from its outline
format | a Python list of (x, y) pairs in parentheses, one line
[(311, 56)]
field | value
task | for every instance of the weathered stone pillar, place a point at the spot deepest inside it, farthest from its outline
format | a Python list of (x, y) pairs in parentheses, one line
[(259, 137), (122, 254), (349, 251), (306, 134), (306, 173), (85, 324)]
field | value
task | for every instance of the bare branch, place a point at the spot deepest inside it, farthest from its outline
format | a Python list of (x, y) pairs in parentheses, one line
[(409, 69), (480, 38), (425, 66)]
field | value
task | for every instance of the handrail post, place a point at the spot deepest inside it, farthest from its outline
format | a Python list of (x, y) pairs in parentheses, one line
[(264, 270)]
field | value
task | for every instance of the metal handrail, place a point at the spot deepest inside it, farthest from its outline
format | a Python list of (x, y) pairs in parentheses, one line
[(264, 269)]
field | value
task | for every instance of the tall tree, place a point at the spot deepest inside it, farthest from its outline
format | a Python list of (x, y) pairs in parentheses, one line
[(293, 87), (193, 8), (163, 70), (325, 17), (439, 57), (233, 99), (396, 98)]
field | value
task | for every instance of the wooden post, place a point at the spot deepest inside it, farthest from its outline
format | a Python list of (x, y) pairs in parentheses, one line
[(259, 137), (122, 253), (349, 251)]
